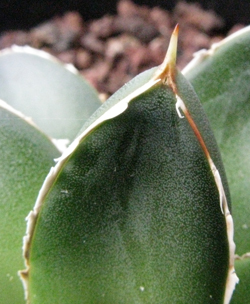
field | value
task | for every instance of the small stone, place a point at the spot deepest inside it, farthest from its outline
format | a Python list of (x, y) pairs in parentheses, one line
[(97, 74), (44, 34), (70, 27), (20, 38), (193, 14), (67, 56), (158, 48), (102, 28), (235, 28), (92, 43), (137, 27), (83, 59), (118, 76), (161, 20), (127, 8), (119, 45), (72, 22), (139, 59), (193, 39)]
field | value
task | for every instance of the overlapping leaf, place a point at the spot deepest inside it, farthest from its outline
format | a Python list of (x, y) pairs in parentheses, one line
[(56, 97), (221, 78), (26, 156), (132, 212)]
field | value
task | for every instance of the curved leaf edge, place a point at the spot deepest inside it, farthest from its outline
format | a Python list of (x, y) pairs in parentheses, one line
[(60, 144), (164, 74), (245, 256), (40, 53), (17, 122), (28, 50), (6, 106), (203, 54), (81, 90), (167, 73), (242, 257), (242, 294), (119, 108)]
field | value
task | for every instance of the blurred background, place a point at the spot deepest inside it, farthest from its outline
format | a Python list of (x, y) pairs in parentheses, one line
[(111, 41), (16, 14)]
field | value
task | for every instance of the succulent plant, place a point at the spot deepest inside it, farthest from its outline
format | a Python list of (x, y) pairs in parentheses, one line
[(137, 208)]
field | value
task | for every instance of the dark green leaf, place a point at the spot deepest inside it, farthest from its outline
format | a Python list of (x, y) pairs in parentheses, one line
[(132, 213)]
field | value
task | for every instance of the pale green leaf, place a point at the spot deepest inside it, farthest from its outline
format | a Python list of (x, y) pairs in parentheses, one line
[(25, 158), (55, 96), (221, 78)]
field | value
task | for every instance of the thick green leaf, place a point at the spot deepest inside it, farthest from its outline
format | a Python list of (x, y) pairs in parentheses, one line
[(132, 213), (55, 96), (25, 158), (221, 78)]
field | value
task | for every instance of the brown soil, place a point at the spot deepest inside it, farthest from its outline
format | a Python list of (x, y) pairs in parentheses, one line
[(113, 49)]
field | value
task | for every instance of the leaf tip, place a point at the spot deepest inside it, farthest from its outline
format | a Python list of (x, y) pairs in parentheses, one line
[(172, 48), (167, 69)]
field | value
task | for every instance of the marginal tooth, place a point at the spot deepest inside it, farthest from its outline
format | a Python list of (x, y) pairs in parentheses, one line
[(179, 105), (172, 49), (166, 71), (223, 200)]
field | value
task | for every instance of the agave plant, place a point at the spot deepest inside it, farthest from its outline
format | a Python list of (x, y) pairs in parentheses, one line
[(137, 208)]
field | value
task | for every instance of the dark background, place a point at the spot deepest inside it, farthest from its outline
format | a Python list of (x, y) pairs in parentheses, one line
[(18, 14)]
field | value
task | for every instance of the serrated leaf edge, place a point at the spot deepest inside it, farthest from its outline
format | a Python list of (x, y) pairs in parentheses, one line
[(201, 55), (167, 75), (164, 74), (242, 257), (232, 278), (31, 219)]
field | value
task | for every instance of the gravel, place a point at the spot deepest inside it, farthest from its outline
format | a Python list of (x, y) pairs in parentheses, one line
[(113, 49)]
